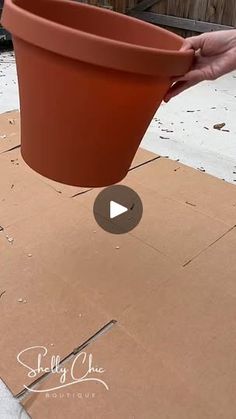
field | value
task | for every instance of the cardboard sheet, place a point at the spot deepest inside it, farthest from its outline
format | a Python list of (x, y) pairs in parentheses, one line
[(170, 284), (9, 131)]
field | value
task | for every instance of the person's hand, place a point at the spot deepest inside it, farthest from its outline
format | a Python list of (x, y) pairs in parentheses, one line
[(215, 55)]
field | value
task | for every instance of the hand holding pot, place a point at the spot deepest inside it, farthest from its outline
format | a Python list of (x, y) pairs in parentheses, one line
[(215, 55)]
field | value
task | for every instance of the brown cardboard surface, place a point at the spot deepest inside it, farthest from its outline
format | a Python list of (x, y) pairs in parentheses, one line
[(19, 195), (174, 228), (218, 358), (202, 192), (86, 255), (9, 131), (170, 284), (130, 373)]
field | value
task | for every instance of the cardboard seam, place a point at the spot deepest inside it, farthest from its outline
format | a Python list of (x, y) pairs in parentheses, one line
[(202, 212), (10, 149), (187, 204), (132, 168), (81, 193), (210, 245), (149, 245), (169, 257), (144, 163)]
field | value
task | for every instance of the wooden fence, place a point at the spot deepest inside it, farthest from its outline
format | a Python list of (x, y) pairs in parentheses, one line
[(183, 16), (214, 11), (188, 16)]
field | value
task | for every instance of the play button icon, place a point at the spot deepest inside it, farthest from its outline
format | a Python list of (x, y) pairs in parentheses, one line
[(118, 209)]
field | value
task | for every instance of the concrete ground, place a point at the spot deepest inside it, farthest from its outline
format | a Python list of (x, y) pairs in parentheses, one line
[(182, 129)]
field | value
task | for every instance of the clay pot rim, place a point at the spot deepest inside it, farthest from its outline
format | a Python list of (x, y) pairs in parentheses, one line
[(46, 25), (93, 36)]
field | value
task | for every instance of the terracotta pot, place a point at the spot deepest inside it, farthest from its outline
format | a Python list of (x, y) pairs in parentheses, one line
[(90, 82)]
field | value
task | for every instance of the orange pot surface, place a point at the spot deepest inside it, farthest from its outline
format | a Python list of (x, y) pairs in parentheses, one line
[(90, 82)]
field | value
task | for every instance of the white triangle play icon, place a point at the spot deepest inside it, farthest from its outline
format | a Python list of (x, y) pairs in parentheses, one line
[(116, 209)]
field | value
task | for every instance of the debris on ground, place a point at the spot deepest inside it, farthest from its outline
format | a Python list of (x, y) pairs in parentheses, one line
[(1, 228), (166, 130), (2, 293), (206, 128), (29, 255), (225, 130), (190, 203), (117, 247), (12, 121), (164, 138), (201, 169), (15, 161), (20, 300), (219, 126), (3, 137), (10, 239)]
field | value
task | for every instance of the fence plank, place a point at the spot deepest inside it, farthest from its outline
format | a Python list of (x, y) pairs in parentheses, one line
[(145, 4), (177, 22), (214, 11)]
